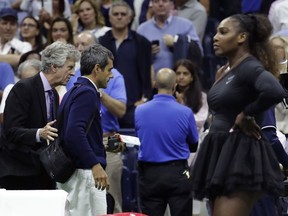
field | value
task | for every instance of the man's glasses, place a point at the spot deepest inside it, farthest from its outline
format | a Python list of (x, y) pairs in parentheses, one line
[(28, 25)]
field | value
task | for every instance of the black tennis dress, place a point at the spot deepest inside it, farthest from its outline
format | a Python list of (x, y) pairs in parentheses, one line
[(231, 161)]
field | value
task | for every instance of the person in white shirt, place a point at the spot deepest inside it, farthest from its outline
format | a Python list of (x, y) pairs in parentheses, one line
[(11, 48), (278, 15), (48, 8)]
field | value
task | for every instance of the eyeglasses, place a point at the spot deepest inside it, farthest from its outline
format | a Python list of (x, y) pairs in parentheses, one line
[(28, 25)]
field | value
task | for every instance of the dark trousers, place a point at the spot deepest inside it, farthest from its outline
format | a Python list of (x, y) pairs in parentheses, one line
[(162, 184), (127, 121), (39, 182)]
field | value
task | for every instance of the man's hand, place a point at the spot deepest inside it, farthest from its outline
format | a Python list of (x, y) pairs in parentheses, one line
[(168, 40), (49, 132), (180, 98), (155, 49), (74, 22), (100, 177), (44, 15)]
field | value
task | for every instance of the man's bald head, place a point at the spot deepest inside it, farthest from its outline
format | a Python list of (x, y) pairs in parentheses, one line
[(84, 39), (166, 79)]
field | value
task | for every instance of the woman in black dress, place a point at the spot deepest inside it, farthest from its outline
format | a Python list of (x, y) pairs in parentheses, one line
[(235, 163)]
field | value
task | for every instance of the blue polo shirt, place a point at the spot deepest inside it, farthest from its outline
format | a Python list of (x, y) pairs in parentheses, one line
[(165, 129), (115, 89), (6, 75)]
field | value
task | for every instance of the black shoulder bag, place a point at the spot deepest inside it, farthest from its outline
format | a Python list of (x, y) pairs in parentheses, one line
[(57, 163)]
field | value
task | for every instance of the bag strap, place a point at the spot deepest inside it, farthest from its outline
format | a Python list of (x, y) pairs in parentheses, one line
[(89, 124)]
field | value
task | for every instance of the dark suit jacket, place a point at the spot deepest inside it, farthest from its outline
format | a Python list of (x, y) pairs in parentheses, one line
[(24, 113)]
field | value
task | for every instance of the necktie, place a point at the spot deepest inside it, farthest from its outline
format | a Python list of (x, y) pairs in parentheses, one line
[(51, 105)]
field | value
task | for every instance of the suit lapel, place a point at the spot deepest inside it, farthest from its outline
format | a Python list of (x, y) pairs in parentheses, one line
[(56, 103), (41, 96)]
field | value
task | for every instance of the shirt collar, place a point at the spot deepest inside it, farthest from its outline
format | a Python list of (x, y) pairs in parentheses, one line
[(45, 82), (92, 83), (129, 36), (164, 96), (167, 21)]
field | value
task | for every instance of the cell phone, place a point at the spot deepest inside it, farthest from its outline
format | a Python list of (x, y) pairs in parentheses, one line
[(155, 42)]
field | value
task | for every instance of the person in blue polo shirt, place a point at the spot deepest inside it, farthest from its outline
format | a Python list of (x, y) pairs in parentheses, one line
[(167, 132)]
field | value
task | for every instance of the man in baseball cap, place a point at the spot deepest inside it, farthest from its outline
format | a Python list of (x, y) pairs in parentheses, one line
[(7, 13), (11, 48)]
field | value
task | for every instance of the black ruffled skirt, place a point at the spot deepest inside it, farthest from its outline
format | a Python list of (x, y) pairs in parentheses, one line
[(227, 162)]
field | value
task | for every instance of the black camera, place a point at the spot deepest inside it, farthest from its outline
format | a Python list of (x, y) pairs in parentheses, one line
[(115, 144)]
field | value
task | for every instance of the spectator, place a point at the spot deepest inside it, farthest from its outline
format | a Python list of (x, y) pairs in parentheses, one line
[(61, 29), (164, 27), (132, 58), (11, 48), (30, 55), (82, 41), (87, 17), (281, 46), (30, 31), (195, 12), (189, 93), (47, 10), (278, 15)]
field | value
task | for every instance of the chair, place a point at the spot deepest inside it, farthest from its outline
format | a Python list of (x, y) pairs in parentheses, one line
[(130, 184)]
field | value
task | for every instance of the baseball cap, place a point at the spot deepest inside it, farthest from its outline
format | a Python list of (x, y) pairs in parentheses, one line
[(8, 12)]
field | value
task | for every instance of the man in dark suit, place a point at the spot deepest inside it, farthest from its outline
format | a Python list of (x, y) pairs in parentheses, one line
[(29, 119), (83, 134)]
